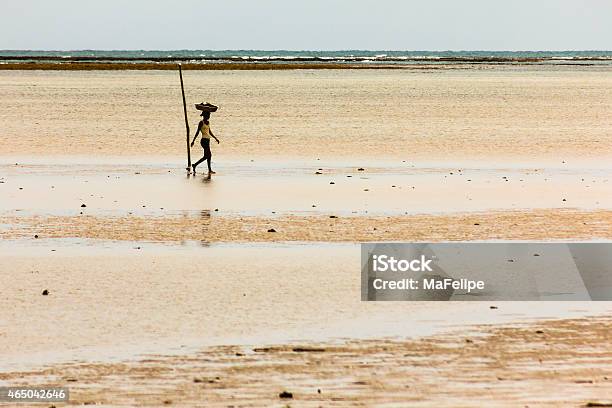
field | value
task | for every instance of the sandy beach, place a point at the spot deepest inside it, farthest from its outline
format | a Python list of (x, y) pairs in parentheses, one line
[(509, 114), (171, 289)]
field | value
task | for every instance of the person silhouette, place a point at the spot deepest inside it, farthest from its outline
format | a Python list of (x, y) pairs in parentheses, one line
[(204, 129)]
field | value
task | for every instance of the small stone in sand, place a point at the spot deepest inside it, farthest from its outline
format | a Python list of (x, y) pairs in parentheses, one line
[(45, 292), (271, 230), (285, 395), (492, 307), (318, 172), (333, 216), (331, 182), (360, 169), (83, 206), (36, 236)]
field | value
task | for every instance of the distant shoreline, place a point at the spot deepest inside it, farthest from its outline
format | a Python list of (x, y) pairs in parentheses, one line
[(89, 60), (151, 66), (270, 66)]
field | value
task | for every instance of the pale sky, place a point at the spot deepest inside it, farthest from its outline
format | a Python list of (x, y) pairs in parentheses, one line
[(307, 24)]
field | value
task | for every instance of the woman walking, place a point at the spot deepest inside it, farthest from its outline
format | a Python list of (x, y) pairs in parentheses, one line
[(204, 129)]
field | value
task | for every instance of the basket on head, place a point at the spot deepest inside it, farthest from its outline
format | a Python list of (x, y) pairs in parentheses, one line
[(206, 107)]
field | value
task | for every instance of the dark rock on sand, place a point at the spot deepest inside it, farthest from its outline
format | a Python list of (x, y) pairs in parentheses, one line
[(308, 350), (83, 206), (45, 292), (271, 230), (285, 395)]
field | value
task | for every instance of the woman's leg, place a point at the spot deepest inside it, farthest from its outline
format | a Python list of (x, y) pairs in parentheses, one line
[(208, 154), (196, 164), (205, 143)]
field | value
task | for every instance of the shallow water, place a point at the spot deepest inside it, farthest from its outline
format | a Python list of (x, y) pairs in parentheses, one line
[(112, 301), (246, 188)]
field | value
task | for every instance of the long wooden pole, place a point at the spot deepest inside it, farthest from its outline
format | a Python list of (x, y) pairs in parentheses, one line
[(186, 120)]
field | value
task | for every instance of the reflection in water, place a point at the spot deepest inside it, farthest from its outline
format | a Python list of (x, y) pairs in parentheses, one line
[(204, 223), (205, 217)]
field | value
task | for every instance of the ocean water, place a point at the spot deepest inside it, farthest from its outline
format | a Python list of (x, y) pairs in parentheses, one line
[(314, 56)]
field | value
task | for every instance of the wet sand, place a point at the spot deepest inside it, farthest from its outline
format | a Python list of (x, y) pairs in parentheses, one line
[(548, 364), (508, 115), (140, 258), (114, 301), (302, 203)]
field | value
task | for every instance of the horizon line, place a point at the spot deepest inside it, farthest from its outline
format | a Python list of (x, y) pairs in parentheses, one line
[(306, 50)]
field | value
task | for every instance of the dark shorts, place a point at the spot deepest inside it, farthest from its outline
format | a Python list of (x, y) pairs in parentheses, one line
[(206, 146)]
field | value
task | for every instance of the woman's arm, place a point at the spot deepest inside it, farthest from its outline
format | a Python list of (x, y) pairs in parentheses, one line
[(197, 133), (214, 137)]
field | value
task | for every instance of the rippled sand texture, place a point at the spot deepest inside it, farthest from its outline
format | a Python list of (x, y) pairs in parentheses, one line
[(501, 367), (542, 225), (528, 113)]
